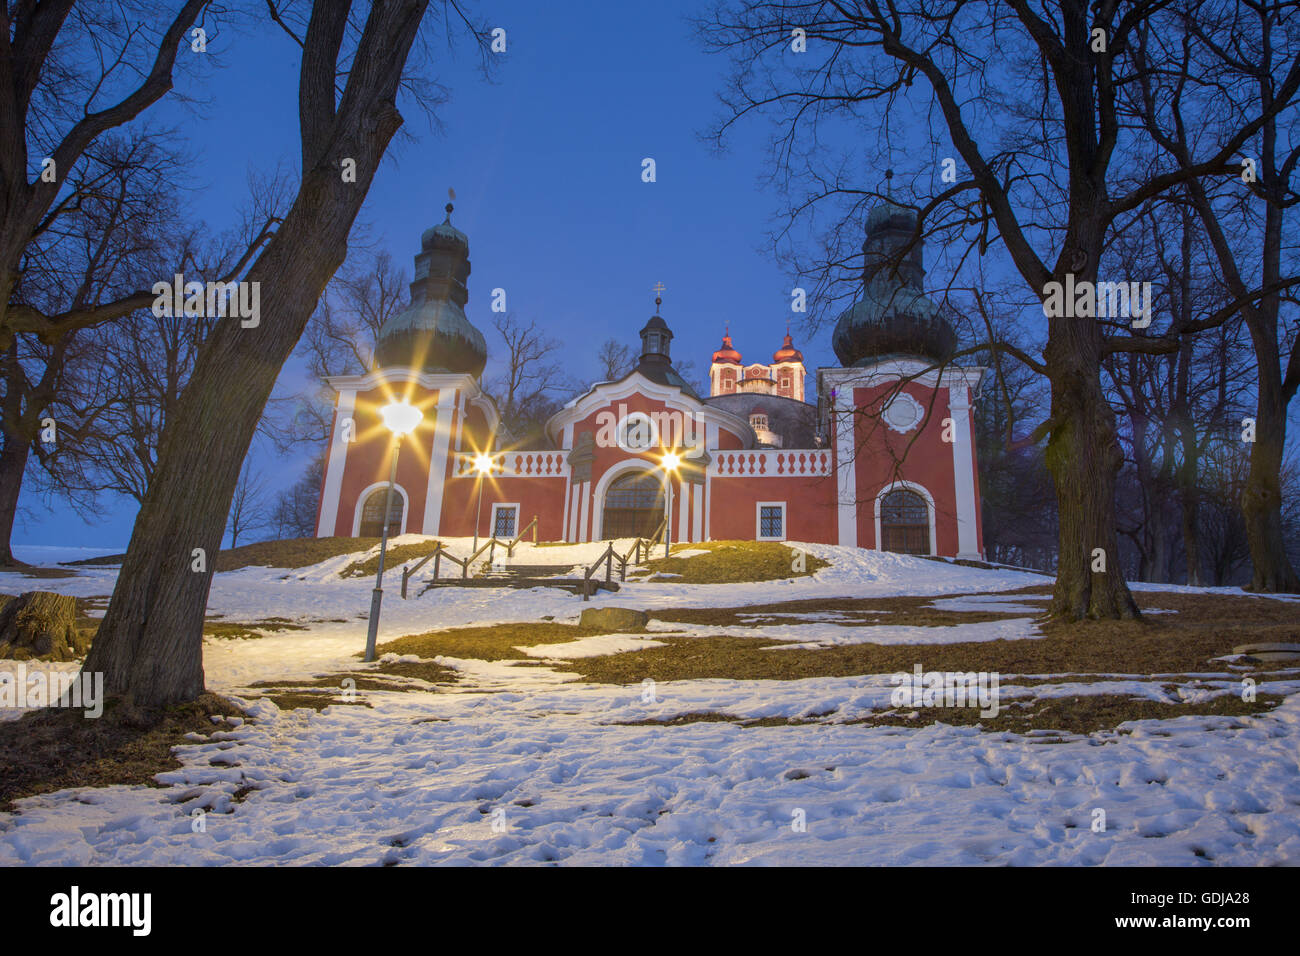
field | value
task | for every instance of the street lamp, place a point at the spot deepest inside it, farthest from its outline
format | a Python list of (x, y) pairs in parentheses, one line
[(483, 465), (670, 462), (401, 419)]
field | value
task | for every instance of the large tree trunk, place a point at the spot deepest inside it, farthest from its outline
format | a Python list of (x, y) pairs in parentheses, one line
[(1084, 458), (1261, 499), (13, 464), (15, 449), (149, 644)]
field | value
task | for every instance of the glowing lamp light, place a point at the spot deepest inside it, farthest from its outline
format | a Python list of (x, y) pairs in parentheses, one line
[(671, 460), (483, 463), (401, 418)]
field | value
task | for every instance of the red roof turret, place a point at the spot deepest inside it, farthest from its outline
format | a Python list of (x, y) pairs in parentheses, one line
[(726, 355), (787, 352)]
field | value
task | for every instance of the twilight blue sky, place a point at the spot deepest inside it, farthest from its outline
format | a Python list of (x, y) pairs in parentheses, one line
[(546, 163)]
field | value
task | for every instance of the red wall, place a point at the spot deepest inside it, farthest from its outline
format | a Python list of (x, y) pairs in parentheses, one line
[(543, 497), (368, 459), (809, 514), (920, 456)]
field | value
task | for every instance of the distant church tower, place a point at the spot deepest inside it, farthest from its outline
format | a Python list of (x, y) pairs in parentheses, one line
[(784, 378)]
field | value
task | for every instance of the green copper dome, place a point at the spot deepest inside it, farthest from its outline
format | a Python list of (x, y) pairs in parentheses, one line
[(432, 334), (893, 316)]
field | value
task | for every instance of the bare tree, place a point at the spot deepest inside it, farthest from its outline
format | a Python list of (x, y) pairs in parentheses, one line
[(614, 360), (247, 505), (1032, 109), (294, 513), (149, 643), (1227, 61), (339, 340), (70, 74), (529, 379), (116, 235)]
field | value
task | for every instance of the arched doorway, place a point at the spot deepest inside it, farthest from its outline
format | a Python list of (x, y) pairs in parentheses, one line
[(372, 514), (904, 523), (634, 506)]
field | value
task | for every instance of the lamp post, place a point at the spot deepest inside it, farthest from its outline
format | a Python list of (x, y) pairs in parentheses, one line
[(670, 463), (401, 419), (483, 465)]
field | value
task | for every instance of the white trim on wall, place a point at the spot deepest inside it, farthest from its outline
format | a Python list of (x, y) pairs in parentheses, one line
[(963, 467), (597, 496), (447, 405), (682, 496), (758, 520), (929, 503), (361, 500), (584, 533), (846, 473), (336, 465), (697, 511)]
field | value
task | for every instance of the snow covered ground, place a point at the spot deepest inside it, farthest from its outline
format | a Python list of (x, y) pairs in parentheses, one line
[(526, 765)]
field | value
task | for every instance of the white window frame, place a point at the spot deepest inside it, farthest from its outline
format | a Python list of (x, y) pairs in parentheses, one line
[(361, 505), (758, 520), (498, 505), (901, 485)]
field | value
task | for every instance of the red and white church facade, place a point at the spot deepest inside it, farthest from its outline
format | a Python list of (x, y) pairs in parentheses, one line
[(883, 457)]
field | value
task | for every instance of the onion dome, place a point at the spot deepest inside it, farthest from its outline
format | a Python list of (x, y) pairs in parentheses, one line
[(787, 352), (656, 363), (726, 355), (432, 334), (893, 316)]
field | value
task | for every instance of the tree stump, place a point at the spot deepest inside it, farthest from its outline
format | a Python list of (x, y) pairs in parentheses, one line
[(43, 625)]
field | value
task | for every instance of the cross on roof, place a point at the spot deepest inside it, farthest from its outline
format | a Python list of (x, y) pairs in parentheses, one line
[(658, 291)]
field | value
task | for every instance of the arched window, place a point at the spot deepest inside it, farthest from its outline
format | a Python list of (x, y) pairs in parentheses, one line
[(904, 523), (372, 514), (634, 506)]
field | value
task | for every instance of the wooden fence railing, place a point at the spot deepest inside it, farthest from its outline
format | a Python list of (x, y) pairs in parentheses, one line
[(439, 553), (640, 549)]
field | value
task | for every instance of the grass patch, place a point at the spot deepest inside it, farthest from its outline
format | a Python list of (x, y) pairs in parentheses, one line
[(1081, 715), (287, 553), (55, 748), (326, 689), (248, 630), (312, 700), (865, 612), (1204, 627), (732, 562), (1063, 715), (498, 642), (397, 555), (35, 571)]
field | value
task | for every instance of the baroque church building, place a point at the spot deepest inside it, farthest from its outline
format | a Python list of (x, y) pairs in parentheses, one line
[(883, 456)]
